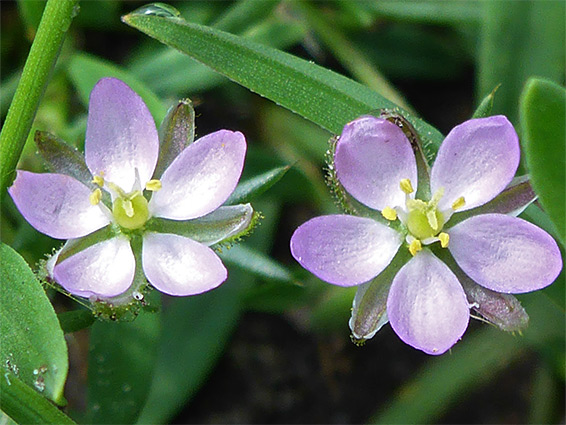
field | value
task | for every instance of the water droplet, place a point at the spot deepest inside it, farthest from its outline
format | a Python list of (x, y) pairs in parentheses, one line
[(158, 9)]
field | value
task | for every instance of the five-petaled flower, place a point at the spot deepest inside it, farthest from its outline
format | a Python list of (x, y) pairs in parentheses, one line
[(460, 217), (122, 202)]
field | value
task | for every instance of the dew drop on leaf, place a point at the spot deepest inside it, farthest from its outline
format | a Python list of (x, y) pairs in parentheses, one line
[(158, 9)]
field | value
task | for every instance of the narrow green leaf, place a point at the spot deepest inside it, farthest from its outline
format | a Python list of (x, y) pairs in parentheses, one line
[(252, 188), (257, 263), (32, 345), (543, 120), (85, 71), (121, 362), (195, 332), (439, 12), (348, 54), (509, 52), (318, 94), (75, 320), (26, 406), (62, 158), (43, 54)]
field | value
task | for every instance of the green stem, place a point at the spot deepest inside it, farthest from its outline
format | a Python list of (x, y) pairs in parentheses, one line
[(43, 54), (353, 59)]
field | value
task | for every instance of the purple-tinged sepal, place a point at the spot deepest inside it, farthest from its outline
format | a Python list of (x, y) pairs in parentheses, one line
[(512, 201), (62, 158), (177, 131), (369, 308)]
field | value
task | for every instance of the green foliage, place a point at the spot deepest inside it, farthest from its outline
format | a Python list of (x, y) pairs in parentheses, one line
[(122, 359), (32, 346), (543, 120)]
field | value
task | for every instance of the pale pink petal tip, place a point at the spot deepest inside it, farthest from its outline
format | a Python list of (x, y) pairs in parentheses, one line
[(427, 306), (372, 156)]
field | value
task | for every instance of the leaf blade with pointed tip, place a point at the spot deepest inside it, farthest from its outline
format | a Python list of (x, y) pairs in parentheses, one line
[(318, 94)]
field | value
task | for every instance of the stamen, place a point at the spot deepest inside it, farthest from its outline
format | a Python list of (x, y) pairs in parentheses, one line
[(444, 239), (153, 185), (406, 186), (95, 197), (98, 180), (415, 246), (458, 203), (389, 213)]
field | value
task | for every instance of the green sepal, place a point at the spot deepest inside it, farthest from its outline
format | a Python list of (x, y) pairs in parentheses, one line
[(512, 201), (369, 308), (486, 105), (227, 223), (501, 310), (177, 131), (252, 188), (62, 158)]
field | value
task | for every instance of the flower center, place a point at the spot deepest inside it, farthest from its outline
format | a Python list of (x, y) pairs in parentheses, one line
[(423, 220), (129, 210)]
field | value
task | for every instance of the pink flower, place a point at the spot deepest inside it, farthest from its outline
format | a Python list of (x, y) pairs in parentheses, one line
[(117, 222), (458, 213)]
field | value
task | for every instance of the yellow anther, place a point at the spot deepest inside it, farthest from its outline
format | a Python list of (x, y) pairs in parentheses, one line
[(415, 246), (444, 239), (458, 203), (432, 219), (154, 185), (95, 197), (98, 180), (406, 186), (389, 213)]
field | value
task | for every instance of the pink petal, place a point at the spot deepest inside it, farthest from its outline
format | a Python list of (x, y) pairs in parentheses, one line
[(344, 250), (372, 157), (56, 204), (180, 266), (426, 306), (477, 160), (120, 135), (505, 254), (105, 269), (202, 177)]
